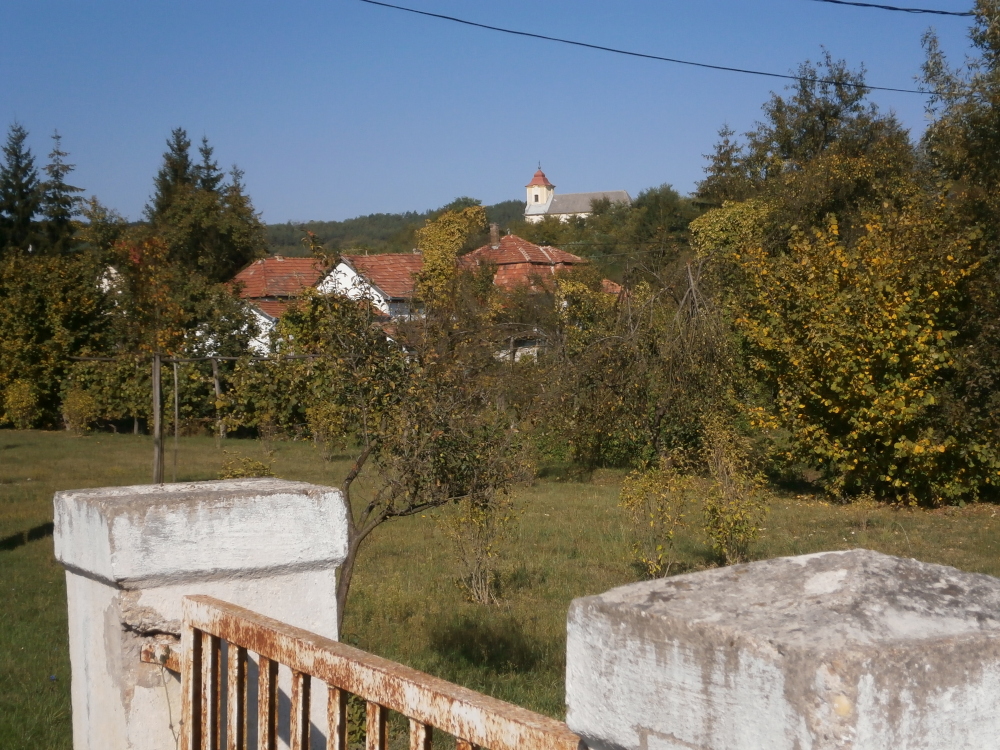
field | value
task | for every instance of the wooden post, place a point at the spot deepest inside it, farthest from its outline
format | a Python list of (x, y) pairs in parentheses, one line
[(157, 423), (220, 425), (177, 419)]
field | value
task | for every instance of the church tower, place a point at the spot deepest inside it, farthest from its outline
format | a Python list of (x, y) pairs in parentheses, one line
[(540, 190)]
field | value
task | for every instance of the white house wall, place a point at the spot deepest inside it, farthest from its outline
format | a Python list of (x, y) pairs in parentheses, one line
[(343, 279), (260, 344)]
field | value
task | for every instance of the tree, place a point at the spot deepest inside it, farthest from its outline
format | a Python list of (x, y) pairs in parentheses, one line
[(175, 176), (209, 226), (440, 241), (51, 309), (961, 150), (726, 177), (20, 192), (855, 339), (822, 149), (423, 407), (59, 203), (208, 175)]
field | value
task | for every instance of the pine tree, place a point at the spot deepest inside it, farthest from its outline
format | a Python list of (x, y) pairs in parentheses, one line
[(59, 202), (726, 177), (176, 177), (20, 192), (209, 225), (209, 176)]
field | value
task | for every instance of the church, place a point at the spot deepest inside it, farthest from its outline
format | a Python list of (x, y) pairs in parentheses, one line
[(543, 201)]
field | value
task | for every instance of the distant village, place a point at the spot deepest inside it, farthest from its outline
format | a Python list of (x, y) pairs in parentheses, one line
[(271, 284)]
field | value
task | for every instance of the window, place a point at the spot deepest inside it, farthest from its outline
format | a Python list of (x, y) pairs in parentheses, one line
[(536, 197)]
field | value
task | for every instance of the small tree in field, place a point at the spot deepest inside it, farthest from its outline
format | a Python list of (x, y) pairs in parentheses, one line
[(421, 406)]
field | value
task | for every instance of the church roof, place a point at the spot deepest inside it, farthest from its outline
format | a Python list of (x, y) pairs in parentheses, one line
[(540, 179), (580, 203)]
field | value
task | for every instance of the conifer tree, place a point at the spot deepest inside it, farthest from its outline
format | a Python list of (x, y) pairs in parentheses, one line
[(176, 176), (208, 225), (20, 192), (209, 176), (59, 202)]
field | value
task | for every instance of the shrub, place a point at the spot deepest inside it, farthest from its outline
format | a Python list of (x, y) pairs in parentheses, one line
[(478, 529), (734, 508), (657, 502), (80, 409), (241, 467), (20, 404)]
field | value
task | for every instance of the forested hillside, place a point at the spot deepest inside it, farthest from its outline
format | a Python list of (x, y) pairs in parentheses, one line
[(376, 233)]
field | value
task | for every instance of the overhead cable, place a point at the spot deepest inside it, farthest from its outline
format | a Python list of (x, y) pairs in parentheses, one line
[(899, 10), (786, 76)]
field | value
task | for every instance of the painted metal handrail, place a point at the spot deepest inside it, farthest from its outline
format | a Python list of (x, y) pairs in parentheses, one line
[(428, 702)]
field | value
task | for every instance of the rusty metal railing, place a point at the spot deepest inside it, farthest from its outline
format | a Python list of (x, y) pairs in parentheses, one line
[(476, 720)]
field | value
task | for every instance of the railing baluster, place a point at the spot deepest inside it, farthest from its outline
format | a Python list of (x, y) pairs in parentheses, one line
[(300, 711), (375, 738), (267, 704), (475, 721), (211, 650), (336, 715), (191, 717), (236, 694), (421, 735)]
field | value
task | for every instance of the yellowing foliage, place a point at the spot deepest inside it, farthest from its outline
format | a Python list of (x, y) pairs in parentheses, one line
[(440, 241), (855, 338)]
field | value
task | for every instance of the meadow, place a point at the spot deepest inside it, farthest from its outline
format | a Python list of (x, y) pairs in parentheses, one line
[(571, 540)]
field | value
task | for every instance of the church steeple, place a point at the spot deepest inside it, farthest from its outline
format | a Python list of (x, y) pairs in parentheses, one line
[(540, 190)]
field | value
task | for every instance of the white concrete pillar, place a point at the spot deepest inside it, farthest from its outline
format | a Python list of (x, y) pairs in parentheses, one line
[(132, 553), (834, 650)]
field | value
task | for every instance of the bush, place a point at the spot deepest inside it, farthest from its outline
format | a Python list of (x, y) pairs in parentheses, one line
[(80, 409), (242, 467), (657, 503), (20, 404), (478, 530), (734, 508)]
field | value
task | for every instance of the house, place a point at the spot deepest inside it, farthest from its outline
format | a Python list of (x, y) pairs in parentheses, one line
[(543, 201), (519, 262), (386, 280), (270, 285)]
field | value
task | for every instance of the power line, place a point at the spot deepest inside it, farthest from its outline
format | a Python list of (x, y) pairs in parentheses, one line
[(643, 55), (900, 10)]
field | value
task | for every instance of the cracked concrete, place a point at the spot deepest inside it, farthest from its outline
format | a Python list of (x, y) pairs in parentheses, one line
[(132, 553), (835, 650)]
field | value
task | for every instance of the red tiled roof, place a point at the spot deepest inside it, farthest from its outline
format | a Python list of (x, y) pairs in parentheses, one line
[(610, 287), (272, 307), (540, 179), (392, 273), (513, 249), (519, 262), (276, 276)]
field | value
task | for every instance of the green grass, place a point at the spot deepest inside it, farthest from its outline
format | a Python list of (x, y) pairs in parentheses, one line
[(404, 604)]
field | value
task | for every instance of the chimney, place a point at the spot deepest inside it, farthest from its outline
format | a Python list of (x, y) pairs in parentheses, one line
[(494, 236)]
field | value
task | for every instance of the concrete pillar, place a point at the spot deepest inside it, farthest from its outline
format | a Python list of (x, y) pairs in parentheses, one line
[(132, 553), (834, 650)]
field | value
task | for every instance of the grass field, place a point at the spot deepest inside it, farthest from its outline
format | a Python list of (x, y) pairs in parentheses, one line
[(404, 604)]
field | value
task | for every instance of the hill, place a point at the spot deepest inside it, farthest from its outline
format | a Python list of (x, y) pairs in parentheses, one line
[(376, 233)]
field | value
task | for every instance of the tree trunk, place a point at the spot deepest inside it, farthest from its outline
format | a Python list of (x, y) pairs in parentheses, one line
[(344, 578)]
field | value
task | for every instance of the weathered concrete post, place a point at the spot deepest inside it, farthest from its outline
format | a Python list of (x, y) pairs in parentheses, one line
[(132, 553), (835, 650)]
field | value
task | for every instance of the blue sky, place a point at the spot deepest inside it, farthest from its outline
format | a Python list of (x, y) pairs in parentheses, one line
[(338, 108)]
